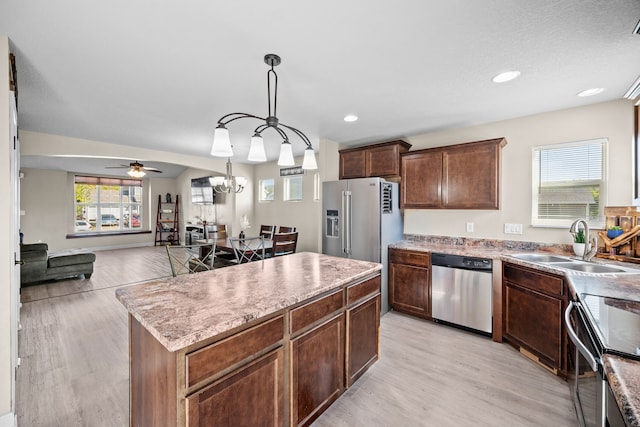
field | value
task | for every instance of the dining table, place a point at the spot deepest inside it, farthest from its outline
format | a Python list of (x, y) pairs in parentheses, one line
[(224, 245)]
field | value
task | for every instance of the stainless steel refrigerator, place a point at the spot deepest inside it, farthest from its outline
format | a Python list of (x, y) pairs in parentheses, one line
[(361, 217)]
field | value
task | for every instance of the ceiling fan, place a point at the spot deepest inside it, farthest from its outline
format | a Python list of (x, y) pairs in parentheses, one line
[(136, 169)]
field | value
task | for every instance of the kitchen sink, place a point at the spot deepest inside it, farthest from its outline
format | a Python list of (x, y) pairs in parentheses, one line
[(570, 264), (546, 258), (590, 267)]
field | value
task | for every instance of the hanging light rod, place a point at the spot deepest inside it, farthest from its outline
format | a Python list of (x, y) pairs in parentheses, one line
[(222, 143)]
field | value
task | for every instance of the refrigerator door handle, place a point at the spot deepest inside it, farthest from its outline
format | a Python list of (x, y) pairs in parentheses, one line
[(346, 226)]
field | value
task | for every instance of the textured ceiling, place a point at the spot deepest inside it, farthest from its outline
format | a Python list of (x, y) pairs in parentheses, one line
[(158, 74)]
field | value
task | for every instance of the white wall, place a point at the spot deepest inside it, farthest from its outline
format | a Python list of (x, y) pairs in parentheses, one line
[(6, 251), (612, 120), (304, 215)]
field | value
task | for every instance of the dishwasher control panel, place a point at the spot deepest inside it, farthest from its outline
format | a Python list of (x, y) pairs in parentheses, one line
[(461, 261)]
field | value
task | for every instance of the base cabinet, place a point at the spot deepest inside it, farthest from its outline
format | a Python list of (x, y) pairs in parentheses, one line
[(410, 282), (363, 325), (317, 370), (281, 371), (533, 306), (224, 403)]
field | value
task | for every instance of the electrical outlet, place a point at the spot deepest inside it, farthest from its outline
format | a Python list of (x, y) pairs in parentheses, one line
[(512, 228), (469, 227)]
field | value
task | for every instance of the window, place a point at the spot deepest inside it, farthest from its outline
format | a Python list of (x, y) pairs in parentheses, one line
[(292, 188), (569, 182), (266, 190), (107, 204)]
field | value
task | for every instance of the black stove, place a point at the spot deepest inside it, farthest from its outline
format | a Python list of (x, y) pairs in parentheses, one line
[(617, 323)]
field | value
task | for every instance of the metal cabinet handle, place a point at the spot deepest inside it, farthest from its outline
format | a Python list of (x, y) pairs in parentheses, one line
[(593, 362)]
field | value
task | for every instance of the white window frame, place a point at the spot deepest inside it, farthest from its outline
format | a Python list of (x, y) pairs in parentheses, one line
[(261, 195), (287, 188), (594, 221)]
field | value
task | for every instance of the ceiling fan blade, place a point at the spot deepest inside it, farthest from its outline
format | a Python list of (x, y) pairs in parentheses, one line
[(152, 170), (117, 167)]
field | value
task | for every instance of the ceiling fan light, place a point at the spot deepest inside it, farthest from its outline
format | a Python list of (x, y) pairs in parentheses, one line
[(309, 161), (256, 150), (136, 173), (286, 155), (221, 143)]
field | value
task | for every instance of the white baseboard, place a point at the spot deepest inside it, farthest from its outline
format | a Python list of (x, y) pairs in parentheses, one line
[(8, 420)]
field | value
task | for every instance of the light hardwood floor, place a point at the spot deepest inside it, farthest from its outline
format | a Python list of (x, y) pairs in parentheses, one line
[(74, 372)]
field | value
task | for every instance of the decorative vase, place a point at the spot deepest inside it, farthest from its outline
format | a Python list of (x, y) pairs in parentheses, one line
[(579, 248), (241, 236)]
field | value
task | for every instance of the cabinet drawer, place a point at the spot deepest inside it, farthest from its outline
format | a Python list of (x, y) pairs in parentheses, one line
[(209, 360), (310, 313), (402, 256), (534, 280), (360, 290)]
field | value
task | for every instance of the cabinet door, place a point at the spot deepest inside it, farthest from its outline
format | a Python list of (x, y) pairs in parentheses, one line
[(422, 179), (409, 289), (363, 325), (471, 177), (224, 403), (533, 321), (317, 370), (353, 164), (383, 161)]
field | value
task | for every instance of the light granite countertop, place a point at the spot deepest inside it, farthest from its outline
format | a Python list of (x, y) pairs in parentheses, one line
[(181, 311), (623, 374)]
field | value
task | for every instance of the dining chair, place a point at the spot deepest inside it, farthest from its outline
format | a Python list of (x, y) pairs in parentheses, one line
[(187, 259), (267, 231), (216, 231), (248, 249), (284, 229), (284, 243)]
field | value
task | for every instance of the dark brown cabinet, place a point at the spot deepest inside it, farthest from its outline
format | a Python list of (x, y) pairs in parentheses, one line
[(533, 306), (363, 328), (381, 160), (317, 364), (223, 403), (463, 176), (410, 282)]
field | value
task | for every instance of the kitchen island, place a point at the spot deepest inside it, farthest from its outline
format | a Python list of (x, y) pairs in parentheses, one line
[(273, 342)]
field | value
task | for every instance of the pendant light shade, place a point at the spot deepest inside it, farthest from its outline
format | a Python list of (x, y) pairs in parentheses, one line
[(286, 155), (256, 150), (309, 161), (221, 143)]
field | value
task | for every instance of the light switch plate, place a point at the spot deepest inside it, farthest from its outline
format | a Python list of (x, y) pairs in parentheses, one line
[(512, 228), (469, 227)]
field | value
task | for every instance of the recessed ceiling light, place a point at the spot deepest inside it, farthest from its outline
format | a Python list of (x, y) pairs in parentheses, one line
[(350, 118), (592, 91), (506, 76)]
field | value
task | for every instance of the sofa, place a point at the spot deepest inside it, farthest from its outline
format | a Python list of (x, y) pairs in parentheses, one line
[(39, 264)]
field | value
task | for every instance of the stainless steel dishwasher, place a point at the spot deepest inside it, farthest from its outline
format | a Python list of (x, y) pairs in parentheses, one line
[(461, 291)]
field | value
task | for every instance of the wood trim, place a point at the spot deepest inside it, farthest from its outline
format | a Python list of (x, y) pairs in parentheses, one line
[(400, 143)]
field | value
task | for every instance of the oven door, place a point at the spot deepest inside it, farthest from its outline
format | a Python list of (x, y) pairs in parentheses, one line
[(586, 381)]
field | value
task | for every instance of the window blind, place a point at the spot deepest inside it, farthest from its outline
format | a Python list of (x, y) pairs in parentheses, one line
[(569, 182)]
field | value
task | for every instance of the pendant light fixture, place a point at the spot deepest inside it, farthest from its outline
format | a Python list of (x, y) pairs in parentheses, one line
[(222, 143), (228, 183)]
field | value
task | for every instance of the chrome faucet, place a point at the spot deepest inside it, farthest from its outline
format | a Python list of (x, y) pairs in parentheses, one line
[(590, 243)]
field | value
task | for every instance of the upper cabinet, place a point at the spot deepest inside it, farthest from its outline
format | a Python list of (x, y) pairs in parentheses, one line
[(463, 176), (381, 160)]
